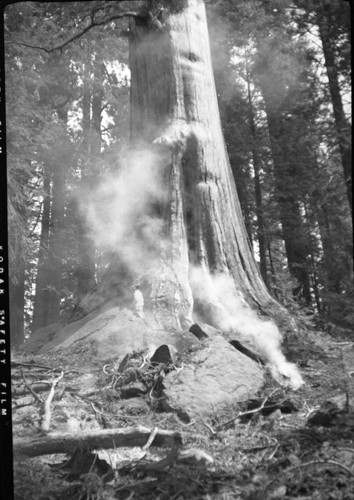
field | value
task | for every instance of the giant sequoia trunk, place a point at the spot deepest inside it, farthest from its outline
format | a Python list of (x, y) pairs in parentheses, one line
[(175, 111)]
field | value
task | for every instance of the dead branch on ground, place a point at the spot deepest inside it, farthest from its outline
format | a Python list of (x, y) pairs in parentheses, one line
[(17, 364), (320, 462), (47, 411), (34, 394), (248, 412), (97, 439)]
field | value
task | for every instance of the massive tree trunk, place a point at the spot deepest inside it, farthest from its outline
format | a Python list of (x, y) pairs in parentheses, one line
[(175, 111)]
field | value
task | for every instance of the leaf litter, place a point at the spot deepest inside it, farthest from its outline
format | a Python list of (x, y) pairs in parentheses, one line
[(241, 452)]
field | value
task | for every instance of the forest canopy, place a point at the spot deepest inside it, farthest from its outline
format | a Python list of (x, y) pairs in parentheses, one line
[(83, 212)]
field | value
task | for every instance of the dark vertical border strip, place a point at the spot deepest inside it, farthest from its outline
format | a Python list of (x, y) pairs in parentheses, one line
[(6, 451)]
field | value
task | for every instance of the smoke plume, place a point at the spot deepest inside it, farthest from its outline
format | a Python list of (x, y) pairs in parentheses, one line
[(217, 293), (122, 217), (121, 210)]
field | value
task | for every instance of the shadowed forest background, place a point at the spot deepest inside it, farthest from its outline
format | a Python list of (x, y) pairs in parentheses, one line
[(282, 72)]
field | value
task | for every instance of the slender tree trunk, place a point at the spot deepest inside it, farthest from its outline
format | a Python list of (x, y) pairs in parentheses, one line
[(17, 269), (17, 306), (57, 234), (296, 251), (49, 278), (40, 308), (315, 284), (86, 264), (91, 128), (294, 234), (175, 110), (258, 190), (242, 179), (343, 128), (329, 254), (272, 270)]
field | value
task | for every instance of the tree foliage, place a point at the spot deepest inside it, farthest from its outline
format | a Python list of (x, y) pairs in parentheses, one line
[(282, 72)]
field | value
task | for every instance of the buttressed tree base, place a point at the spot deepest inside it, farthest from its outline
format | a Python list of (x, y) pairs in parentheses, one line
[(206, 266)]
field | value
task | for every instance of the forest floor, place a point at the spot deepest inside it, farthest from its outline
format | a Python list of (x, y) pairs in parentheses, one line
[(305, 453)]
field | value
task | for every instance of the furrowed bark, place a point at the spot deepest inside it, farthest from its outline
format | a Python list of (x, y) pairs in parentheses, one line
[(174, 108)]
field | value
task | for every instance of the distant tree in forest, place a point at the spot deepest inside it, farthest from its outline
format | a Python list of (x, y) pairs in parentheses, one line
[(285, 68), (55, 156)]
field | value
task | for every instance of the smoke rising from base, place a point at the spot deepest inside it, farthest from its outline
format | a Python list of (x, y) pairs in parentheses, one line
[(121, 210), (217, 293), (122, 217)]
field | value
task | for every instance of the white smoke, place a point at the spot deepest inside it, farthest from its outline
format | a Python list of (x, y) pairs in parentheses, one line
[(119, 210), (121, 217), (231, 313)]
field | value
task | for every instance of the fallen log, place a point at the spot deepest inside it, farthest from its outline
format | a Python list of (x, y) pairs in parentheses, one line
[(247, 352), (93, 440), (198, 332)]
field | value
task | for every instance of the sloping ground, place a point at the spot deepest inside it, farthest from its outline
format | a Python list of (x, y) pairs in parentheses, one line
[(198, 375), (211, 372), (110, 334)]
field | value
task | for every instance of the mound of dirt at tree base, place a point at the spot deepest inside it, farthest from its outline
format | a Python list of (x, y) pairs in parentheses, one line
[(210, 372), (111, 334)]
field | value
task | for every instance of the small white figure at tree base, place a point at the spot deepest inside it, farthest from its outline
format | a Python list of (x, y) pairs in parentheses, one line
[(139, 302)]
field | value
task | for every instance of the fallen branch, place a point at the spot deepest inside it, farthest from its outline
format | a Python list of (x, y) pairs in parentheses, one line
[(97, 439), (36, 387), (23, 401), (248, 412), (17, 364), (322, 462), (98, 412), (258, 448), (147, 445), (31, 365), (192, 457), (47, 411), (151, 438), (160, 465), (38, 398), (210, 428)]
